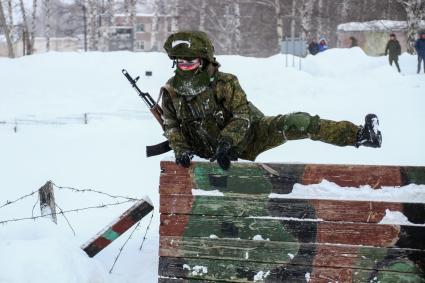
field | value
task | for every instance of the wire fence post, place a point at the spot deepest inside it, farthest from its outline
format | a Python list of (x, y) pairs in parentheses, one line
[(86, 118), (47, 201)]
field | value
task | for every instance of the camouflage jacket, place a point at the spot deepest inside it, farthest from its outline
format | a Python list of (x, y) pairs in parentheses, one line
[(219, 113)]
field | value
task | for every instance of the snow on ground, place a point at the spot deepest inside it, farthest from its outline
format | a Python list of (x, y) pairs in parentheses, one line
[(48, 94)]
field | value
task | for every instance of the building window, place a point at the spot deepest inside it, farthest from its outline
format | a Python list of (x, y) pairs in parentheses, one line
[(140, 27), (140, 45)]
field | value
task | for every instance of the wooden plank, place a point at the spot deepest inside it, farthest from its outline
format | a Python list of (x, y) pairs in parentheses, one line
[(320, 255), (111, 232), (328, 210), (253, 178), (353, 175), (181, 280), (241, 271), (285, 230)]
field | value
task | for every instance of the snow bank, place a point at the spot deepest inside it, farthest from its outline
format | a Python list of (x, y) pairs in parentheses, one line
[(40, 252)]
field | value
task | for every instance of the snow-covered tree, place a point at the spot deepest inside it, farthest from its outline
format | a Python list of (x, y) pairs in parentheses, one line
[(415, 10), (154, 31), (223, 25), (26, 33), (47, 26), (133, 23), (33, 25), (277, 7), (4, 26), (10, 18), (306, 18), (92, 25)]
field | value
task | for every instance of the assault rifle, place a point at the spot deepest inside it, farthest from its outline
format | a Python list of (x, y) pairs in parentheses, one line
[(156, 111)]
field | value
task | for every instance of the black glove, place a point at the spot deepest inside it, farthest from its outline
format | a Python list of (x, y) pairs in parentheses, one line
[(184, 159), (223, 156)]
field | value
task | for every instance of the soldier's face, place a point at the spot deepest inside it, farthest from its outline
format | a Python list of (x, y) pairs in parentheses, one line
[(188, 64)]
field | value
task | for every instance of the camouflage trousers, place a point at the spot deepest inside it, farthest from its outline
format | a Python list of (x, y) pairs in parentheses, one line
[(272, 131)]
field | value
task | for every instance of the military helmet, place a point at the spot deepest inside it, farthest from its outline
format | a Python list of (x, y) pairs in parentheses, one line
[(189, 44)]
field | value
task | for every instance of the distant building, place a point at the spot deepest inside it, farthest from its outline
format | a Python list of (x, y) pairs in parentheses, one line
[(372, 36), (120, 34)]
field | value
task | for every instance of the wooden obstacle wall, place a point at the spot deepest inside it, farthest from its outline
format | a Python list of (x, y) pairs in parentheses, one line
[(233, 231)]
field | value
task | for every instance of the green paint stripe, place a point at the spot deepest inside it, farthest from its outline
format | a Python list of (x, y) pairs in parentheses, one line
[(110, 235)]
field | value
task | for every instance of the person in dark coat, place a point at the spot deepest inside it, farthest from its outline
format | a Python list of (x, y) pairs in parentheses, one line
[(353, 42), (393, 49), (313, 47), (420, 50)]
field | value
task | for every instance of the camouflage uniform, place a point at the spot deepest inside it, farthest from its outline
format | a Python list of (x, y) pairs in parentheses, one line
[(221, 112)]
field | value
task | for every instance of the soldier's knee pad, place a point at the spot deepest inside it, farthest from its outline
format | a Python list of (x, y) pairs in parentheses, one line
[(298, 121)]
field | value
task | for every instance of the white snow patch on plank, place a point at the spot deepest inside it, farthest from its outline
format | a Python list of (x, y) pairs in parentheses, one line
[(397, 218), (199, 192), (328, 190)]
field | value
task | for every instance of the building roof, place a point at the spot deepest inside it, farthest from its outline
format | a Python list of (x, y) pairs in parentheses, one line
[(379, 25)]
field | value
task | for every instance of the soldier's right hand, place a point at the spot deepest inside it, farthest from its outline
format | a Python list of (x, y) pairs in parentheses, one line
[(184, 158)]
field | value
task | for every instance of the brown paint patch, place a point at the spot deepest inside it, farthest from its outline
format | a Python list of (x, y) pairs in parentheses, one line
[(123, 225), (173, 225), (353, 175), (181, 204), (353, 211), (326, 275), (376, 235), (174, 179), (170, 247), (334, 256)]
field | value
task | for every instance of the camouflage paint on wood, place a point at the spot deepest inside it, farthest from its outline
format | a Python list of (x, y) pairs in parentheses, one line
[(284, 252), (242, 271), (255, 178), (346, 245), (288, 230), (328, 210)]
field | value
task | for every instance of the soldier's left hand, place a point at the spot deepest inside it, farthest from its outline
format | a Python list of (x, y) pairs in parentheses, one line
[(222, 155)]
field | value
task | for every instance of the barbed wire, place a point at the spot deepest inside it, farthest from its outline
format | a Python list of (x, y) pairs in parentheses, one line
[(147, 229), (79, 190), (128, 239), (79, 118), (67, 211), (8, 202), (66, 218)]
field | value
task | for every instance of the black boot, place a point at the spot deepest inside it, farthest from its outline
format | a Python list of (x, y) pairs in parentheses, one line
[(369, 134)]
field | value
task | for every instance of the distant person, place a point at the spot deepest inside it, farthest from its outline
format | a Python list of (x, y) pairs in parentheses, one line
[(313, 47), (420, 49), (393, 49), (323, 45), (353, 42)]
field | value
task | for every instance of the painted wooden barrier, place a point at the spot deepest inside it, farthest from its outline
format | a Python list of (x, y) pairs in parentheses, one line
[(118, 227), (231, 229)]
